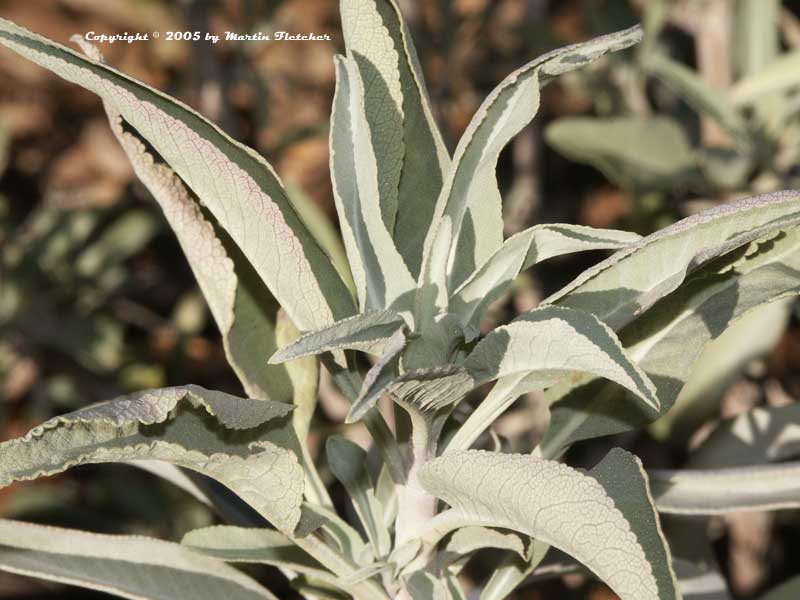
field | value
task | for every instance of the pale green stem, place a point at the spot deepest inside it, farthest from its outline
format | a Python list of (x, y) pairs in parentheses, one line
[(341, 567)]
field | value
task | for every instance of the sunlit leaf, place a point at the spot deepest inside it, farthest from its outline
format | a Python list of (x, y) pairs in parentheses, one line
[(368, 332), (139, 568), (719, 491), (381, 276), (411, 157), (666, 341), (633, 279), (468, 226), (230, 439), (236, 185), (552, 503), (520, 252)]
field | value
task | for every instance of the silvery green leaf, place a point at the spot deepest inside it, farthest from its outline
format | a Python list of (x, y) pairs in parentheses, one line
[(468, 227), (381, 277), (348, 463), (502, 395), (411, 157), (323, 229), (368, 332), (467, 540), (133, 567), (623, 478), (719, 491), (666, 341), (236, 185), (304, 377), (380, 375), (403, 554), (173, 425), (236, 296), (364, 573), (633, 279), (428, 390), (758, 436), (336, 531), (254, 545), (454, 588), (639, 153), (698, 94), (554, 504), (551, 343), (513, 571), (422, 585), (521, 251)]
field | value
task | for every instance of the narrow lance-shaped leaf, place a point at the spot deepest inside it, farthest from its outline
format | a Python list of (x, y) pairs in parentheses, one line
[(633, 279), (541, 347), (666, 341), (468, 225), (556, 505), (254, 545), (236, 185), (236, 296), (467, 540), (237, 447), (382, 278), (348, 462), (380, 375), (624, 479), (411, 156), (304, 376), (719, 491), (520, 252), (368, 332), (139, 568)]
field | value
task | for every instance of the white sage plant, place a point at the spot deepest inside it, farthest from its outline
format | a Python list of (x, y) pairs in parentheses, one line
[(423, 233)]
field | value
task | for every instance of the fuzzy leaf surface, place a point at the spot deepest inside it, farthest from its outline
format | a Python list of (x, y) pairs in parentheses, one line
[(237, 186), (411, 157), (551, 343), (368, 332), (237, 298), (550, 502), (242, 443), (468, 218), (522, 251), (139, 568), (666, 341), (382, 278), (254, 545), (632, 280)]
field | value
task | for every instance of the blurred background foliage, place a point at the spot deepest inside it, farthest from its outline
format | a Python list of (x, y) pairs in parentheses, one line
[(97, 300)]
